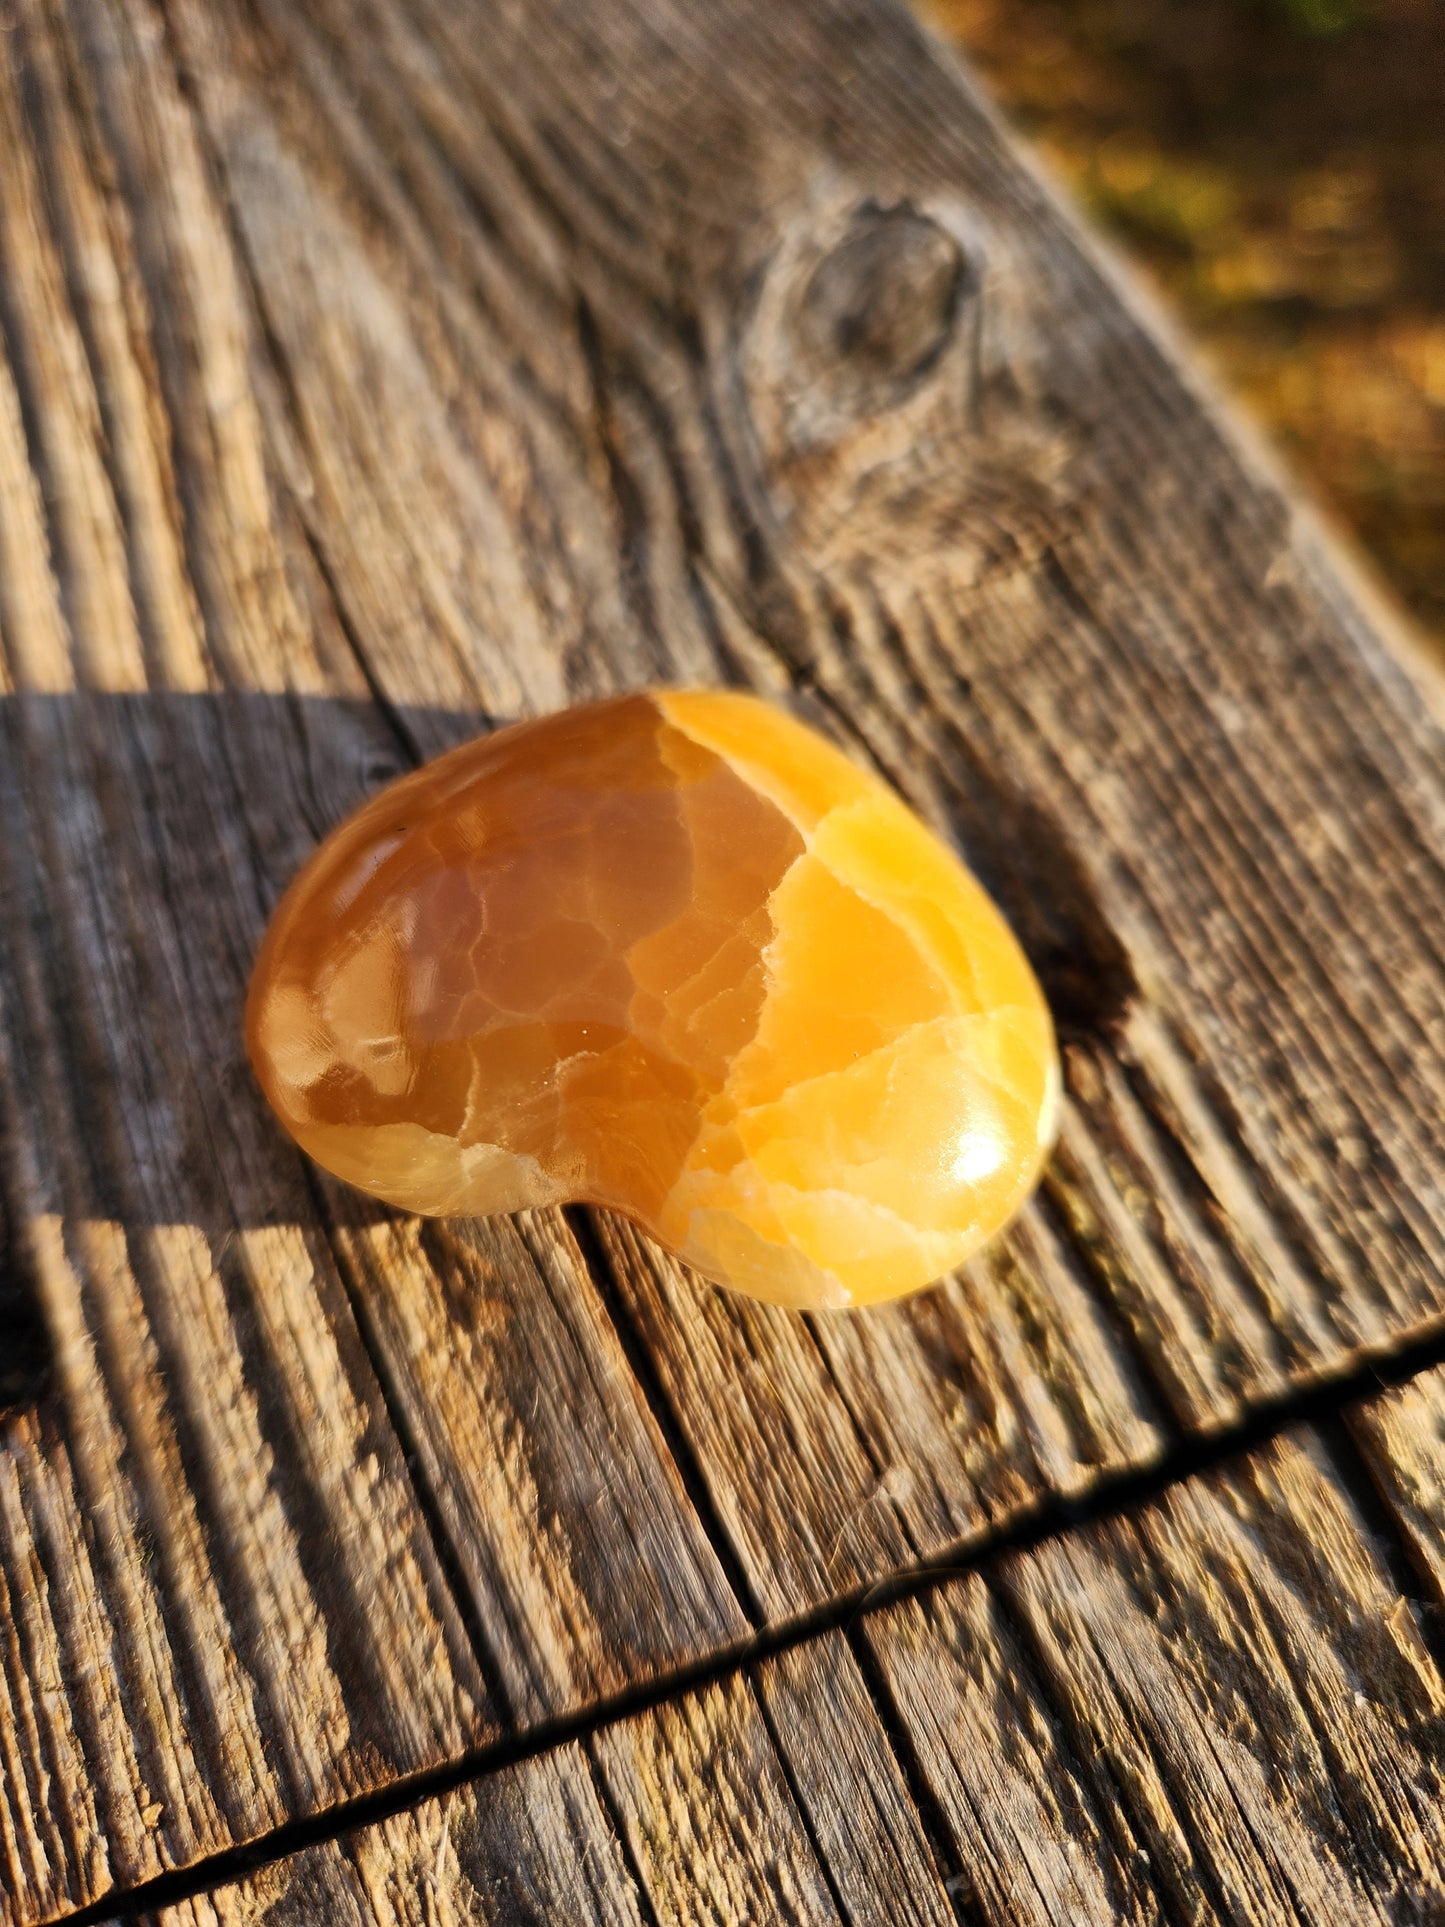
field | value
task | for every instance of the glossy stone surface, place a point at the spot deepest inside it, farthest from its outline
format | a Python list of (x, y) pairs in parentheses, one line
[(673, 954)]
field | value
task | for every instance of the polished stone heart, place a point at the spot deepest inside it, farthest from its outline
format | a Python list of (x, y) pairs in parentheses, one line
[(676, 955)]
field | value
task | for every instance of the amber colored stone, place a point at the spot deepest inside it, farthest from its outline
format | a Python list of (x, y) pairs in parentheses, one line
[(676, 955)]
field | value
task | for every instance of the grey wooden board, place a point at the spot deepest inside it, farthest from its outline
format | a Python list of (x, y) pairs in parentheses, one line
[(1221, 1708), (681, 1815), (372, 371), (1401, 1436), (1217, 1707)]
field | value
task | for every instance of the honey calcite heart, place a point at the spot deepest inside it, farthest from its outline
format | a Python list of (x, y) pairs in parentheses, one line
[(673, 954)]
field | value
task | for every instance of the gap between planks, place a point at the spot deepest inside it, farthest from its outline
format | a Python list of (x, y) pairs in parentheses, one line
[(1320, 1405)]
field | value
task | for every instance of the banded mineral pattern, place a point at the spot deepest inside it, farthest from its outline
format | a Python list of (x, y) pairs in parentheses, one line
[(675, 955)]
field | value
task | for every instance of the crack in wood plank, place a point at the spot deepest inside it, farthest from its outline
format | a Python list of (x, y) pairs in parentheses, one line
[(1402, 1428), (1158, 1715)]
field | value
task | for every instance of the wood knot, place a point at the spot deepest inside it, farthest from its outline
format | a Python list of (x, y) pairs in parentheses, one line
[(879, 307), (856, 317), (888, 359)]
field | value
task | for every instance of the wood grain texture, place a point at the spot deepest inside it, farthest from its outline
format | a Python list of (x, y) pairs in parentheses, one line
[(582, 1559), (1220, 1708), (688, 1814), (836, 1449), (233, 1583), (1012, 558), (371, 370), (532, 1847), (215, 1552), (704, 1806), (1213, 1708), (850, 1788), (1401, 1435)]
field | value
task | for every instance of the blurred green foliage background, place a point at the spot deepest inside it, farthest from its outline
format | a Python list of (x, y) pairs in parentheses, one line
[(1277, 167)]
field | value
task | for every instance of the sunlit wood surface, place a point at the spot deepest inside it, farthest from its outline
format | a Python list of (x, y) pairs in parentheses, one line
[(375, 370)]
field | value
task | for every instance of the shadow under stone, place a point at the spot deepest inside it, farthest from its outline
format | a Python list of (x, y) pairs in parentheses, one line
[(144, 840)]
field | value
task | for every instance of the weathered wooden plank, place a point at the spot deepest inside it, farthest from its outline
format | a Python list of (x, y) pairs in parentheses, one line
[(582, 1560), (1078, 636), (241, 1597), (1023, 1815), (164, 555), (228, 1605), (532, 1846), (833, 1449), (1015, 555), (1217, 1708), (687, 1814), (705, 1808), (1401, 1435), (1044, 1400), (479, 361), (848, 1784)]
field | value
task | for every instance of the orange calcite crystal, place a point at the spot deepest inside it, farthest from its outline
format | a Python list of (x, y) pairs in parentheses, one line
[(675, 955)]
